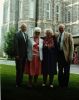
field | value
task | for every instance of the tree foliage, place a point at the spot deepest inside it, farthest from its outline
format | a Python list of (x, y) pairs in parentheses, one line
[(9, 42)]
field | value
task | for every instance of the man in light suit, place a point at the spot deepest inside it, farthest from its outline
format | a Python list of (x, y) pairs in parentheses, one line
[(65, 54), (20, 49)]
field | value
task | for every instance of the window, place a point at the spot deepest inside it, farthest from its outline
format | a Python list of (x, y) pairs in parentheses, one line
[(31, 9), (48, 11), (57, 17), (69, 30), (20, 7), (6, 12), (31, 32), (57, 8), (57, 13), (68, 16)]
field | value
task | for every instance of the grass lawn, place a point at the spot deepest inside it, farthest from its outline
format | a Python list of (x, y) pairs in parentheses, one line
[(10, 92)]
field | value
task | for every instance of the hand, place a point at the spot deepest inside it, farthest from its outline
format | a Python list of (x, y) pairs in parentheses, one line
[(67, 57)]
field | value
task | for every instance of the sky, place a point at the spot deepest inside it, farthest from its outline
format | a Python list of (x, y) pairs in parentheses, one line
[(1, 16)]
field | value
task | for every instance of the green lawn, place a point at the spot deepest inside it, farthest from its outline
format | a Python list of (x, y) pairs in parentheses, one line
[(10, 92)]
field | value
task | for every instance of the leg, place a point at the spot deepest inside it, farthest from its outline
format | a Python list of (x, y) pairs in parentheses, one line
[(30, 80), (60, 76), (35, 78), (44, 78), (18, 72), (51, 76), (66, 75), (23, 61), (61, 63)]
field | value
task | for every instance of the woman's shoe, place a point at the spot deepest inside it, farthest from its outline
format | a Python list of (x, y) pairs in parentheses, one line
[(51, 86), (43, 85)]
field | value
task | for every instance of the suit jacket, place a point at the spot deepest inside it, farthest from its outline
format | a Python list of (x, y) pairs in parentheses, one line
[(68, 46), (20, 45), (30, 48)]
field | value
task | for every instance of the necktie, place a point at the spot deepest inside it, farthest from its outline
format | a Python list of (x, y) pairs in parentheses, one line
[(60, 37), (25, 36), (60, 40)]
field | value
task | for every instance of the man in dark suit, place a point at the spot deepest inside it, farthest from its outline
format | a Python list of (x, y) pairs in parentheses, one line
[(20, 49)]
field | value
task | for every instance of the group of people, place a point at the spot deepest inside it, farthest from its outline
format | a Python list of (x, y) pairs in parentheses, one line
[(41, 55)]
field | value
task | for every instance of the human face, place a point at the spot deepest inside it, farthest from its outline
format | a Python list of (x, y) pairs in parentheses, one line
[(48, 34), (61, 29), (37, 34), (23, 28)]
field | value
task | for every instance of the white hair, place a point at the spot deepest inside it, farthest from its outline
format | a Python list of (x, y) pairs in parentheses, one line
[(49, 30), (61, 25), (23, 25), (37, 29)]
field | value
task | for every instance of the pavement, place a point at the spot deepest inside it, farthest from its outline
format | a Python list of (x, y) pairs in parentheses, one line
[(73, 69)]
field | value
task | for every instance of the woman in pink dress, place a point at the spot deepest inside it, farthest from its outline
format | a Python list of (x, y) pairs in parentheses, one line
[(34, 56)]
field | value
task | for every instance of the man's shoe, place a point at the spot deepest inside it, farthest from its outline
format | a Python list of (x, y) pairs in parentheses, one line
[(18, 85)]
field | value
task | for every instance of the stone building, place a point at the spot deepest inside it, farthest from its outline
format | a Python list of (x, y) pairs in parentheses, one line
[(72, 16), (72, 19), (27, 14), (10, 18), (46, 13), (16, 12), (57, 13)]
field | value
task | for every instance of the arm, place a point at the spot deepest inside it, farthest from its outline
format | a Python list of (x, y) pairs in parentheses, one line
[(71, 45), (16, 47), (29, 49)]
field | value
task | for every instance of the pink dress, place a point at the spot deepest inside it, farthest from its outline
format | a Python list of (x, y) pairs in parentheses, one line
[(34, 67)]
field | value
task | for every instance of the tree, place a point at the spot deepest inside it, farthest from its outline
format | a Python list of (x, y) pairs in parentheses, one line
[(9, 42)]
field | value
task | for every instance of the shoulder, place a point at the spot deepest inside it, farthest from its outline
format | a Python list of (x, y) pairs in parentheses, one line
[(56, 34), (68, 34), (41, 39), (17, 33)]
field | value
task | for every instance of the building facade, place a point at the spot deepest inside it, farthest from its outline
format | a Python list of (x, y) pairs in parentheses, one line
[(72, 16), (28, 12), (16, 12), (44, 13), (71, 20), (57, 13)]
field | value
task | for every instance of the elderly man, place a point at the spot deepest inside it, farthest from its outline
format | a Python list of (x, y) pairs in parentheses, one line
[(20, 48), (65, 54)]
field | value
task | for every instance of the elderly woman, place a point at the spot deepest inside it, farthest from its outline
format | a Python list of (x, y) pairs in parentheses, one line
[(49, 57), (34, 56)]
